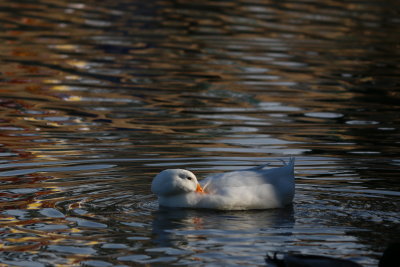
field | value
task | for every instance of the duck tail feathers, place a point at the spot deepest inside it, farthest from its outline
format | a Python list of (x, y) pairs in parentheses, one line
[(290, 163)]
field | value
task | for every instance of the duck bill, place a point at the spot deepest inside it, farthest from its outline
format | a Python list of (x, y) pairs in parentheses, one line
[(199, 189)]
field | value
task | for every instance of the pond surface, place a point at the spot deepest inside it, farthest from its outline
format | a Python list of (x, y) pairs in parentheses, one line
[(96, 97)]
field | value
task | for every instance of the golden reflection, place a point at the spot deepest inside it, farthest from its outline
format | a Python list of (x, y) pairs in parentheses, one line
[(60, 88), (78, 63), (67, 47), (73, 98), (34, 205)]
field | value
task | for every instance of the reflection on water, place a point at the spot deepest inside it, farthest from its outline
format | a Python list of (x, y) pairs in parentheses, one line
[(96, 98), (198, 233), (169, 221)]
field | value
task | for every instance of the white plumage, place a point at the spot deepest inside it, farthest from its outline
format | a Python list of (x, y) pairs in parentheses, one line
[(255, 188)]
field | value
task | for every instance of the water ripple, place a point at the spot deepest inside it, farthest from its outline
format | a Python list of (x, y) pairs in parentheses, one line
[(96, 98)]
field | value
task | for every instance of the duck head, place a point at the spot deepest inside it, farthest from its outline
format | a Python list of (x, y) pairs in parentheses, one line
[(175, 181)]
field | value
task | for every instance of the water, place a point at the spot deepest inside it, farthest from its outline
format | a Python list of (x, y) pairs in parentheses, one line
[(98, 96)]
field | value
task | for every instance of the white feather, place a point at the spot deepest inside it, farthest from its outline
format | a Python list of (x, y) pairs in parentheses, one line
[(255, 188)]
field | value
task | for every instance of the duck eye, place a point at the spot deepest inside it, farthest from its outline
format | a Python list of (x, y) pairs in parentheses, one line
[(184, 176)]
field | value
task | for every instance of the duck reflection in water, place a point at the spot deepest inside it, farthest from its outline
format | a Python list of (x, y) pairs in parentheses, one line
[(171, 226)]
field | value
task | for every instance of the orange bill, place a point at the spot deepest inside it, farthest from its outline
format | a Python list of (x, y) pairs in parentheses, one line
[(199, 189)]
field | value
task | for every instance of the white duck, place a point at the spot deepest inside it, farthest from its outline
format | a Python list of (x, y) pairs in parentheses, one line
[(255, 188)]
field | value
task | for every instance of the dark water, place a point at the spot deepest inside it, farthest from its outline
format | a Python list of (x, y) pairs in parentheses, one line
[(96, 97)]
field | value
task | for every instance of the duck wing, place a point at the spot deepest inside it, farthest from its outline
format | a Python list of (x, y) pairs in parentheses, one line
[(250, 177)]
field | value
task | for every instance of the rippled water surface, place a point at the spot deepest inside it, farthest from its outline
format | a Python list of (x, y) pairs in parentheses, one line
[(96, 97)]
